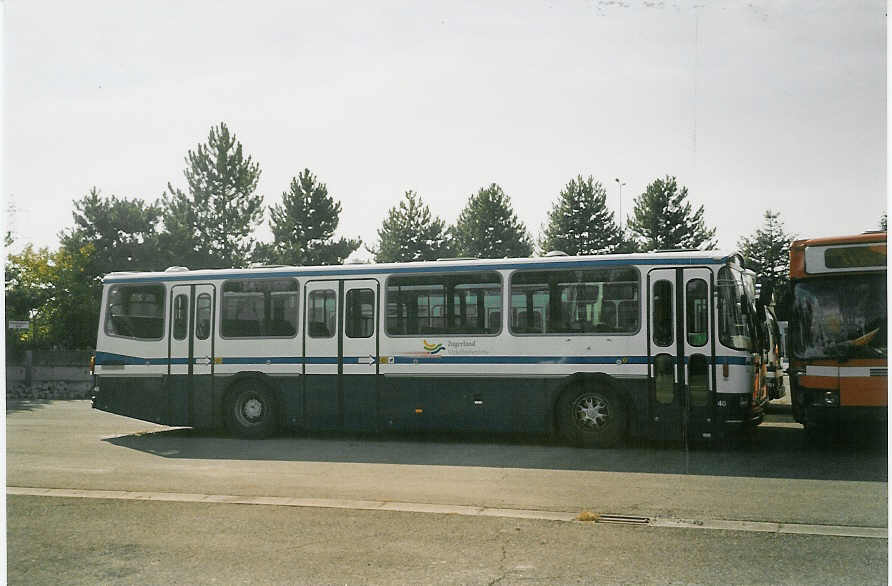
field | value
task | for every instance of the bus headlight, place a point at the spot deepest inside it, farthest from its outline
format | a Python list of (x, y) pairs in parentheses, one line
[(831, 398)]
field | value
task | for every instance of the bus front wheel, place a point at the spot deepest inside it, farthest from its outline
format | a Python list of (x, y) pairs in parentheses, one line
[(592, 417), (250, 411)]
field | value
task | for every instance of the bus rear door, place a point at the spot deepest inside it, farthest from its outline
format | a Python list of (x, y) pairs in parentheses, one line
[(341, 354)]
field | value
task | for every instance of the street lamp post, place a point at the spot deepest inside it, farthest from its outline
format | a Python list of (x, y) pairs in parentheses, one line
[(620, 183)]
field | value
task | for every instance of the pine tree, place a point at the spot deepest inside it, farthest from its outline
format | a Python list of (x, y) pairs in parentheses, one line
[(767, 252), (410, 233), (579, 221), (212, 225), (123, 233), (488, 227), (303, 226), (664, 219)]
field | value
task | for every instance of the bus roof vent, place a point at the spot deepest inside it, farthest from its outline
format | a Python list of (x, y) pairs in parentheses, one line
[(176, 269), (260, 265), (556, 253), (676, 250), (449, 259)]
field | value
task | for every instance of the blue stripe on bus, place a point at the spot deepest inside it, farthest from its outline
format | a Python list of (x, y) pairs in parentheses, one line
[(109, 359), (444, 268), (477, 359)]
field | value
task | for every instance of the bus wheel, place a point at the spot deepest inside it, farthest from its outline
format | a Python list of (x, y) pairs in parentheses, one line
[(250, 411), (592, 418)]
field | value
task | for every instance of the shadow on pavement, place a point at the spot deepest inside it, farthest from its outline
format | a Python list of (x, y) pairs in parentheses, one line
[(780, 451), (16, 405)]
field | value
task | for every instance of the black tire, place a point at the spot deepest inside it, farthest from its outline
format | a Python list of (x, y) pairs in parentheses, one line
[(250, 411), (592, 415)]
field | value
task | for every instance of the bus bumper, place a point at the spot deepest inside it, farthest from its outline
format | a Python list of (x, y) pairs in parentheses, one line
[(820, 406), (738, 413)]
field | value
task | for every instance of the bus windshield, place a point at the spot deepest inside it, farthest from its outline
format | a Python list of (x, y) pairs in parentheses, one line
[(840, 318), (735, 309)]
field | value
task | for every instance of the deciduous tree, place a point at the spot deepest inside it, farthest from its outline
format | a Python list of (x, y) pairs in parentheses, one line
[(54, 290)]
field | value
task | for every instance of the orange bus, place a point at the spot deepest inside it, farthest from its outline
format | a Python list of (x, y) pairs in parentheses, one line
[(838, 336)]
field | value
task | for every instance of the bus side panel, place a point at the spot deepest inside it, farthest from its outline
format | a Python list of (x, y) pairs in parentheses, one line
[(200, 405), (442, 403), (290, 394), (176, 389), (360, 403), (498, 404), (635, 392), (321, 402), (139, 397)]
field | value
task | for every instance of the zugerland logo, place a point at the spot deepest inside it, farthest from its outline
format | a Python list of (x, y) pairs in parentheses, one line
[(433, 348)]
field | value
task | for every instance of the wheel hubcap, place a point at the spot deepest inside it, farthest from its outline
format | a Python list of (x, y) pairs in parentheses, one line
[(591, 411), (252, 409)]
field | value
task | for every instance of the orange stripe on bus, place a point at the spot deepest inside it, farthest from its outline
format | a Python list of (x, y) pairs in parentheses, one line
[(830, 383), (864, 391)]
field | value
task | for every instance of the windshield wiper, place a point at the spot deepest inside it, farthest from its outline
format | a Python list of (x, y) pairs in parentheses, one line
[(845, 350)]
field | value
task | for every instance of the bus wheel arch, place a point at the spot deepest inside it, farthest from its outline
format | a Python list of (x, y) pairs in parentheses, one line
[(250, 407), (591, 411)]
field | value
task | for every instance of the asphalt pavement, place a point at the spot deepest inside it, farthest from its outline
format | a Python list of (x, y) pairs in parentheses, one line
[(430, 509)]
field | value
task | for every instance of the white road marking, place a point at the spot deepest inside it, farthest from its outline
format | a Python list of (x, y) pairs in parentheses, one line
[(465, 510)]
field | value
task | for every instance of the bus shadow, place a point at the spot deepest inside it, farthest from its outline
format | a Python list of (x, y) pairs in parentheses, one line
[(771, 452)]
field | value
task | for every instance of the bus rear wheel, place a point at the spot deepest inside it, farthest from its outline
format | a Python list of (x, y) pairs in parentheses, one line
[(250, 411), (592, 417)]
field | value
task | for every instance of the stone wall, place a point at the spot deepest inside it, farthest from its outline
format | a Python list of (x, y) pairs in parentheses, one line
[(50, 375)]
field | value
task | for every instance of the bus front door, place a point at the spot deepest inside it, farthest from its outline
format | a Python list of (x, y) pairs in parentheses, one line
[(190, 396), (681, 351)]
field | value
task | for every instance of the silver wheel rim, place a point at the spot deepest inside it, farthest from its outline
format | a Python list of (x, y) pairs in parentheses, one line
[(591, 412), (250, 410)]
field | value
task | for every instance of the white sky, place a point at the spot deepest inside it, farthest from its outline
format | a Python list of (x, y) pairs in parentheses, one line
[(752, 105)]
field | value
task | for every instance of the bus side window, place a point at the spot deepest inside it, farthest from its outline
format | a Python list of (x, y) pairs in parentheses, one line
[(203, 317), (697, 303), (321, 313), (180, 316), (360, 313)]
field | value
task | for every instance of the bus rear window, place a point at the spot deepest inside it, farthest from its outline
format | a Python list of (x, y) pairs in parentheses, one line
[(135, 311)]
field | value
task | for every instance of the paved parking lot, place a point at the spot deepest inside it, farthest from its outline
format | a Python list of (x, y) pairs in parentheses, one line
[(778, 480)]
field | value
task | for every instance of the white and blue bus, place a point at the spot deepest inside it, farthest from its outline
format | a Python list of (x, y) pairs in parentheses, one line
[(595, 348)]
